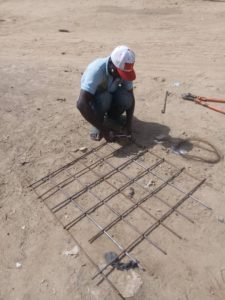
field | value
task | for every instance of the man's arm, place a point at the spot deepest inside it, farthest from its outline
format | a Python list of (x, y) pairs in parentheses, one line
[(129, 114), (84, 106)]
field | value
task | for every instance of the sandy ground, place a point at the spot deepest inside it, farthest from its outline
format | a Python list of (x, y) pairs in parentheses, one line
[(180, 47)]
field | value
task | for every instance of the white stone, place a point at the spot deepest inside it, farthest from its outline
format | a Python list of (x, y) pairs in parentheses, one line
[(73, 252)]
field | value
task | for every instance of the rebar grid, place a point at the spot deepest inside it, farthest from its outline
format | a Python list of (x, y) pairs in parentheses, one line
[(39, 182), (147, 232), (132, 180), (143, 187), (103, 230), (93, 184), (159, 177), (121, 217), (80, 246), (112, 195), (135, 205), (98, 226), (71, 178)]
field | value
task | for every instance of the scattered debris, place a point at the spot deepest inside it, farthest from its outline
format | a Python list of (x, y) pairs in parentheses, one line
[(221, 219), (176, 83), (18, 265), (4, 138), (112, 258), (61, 99), (44, 282), (73, 252), (64, 30), (83, 149), (165, 101), (150, 183), (159, 79), (161, 138), (131, 192), (180, 149)]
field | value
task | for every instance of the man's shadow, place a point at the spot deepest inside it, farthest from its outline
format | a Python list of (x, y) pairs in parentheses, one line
[(148, 134), (144, 134)]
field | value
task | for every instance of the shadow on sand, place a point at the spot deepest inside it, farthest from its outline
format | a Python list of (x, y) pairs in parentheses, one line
[(148, 134)]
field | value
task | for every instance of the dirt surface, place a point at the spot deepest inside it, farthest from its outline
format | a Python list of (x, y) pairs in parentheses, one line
[(45, 47)]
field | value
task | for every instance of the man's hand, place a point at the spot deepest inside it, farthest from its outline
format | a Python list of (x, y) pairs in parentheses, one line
[(108, 135)]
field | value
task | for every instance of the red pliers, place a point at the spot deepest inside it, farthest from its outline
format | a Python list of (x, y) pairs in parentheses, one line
[(203, 101)]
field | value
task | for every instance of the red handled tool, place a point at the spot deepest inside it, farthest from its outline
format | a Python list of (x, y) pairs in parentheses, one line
[(203, 101)]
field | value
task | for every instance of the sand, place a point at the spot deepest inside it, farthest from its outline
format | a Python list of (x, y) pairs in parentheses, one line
[(179, 48)]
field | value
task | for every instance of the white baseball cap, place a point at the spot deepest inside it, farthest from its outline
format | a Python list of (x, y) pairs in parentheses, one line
[(124, 58)]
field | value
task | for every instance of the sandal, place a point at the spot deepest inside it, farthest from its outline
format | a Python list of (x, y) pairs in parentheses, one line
[(95, 134)]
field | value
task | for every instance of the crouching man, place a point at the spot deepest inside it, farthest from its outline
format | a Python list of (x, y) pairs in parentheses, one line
[(106, 97)]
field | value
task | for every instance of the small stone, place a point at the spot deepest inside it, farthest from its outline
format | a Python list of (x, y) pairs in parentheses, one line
[(44, 282), (83, 149), (73, 252), (150, 183), (18, 265), (64, 30), (61, 99), (221, 219), (131, 192), (176, 83)]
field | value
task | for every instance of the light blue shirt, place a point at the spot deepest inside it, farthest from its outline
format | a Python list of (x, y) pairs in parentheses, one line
[(96, 78)]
